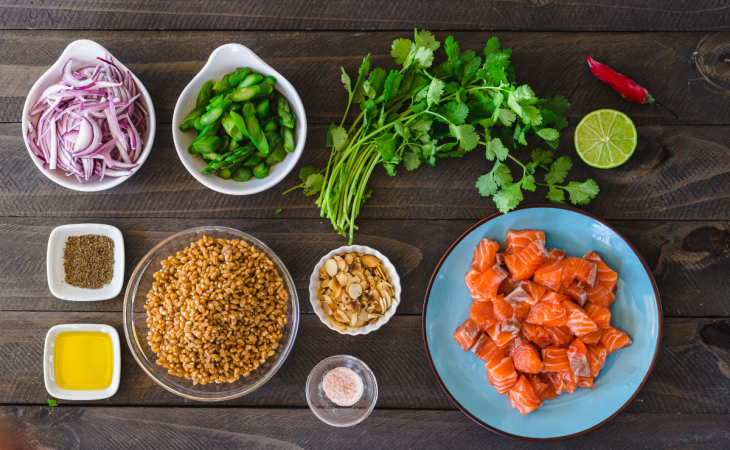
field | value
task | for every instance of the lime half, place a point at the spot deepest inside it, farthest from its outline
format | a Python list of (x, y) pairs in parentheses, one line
[(605, 138)]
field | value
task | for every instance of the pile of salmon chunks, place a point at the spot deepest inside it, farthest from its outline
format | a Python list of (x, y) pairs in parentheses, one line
[(541, 321)]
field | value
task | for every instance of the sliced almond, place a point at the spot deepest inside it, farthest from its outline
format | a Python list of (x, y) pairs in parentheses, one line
[(385, 295), (336, 287), (326, 308), (369, 261), (327, 299), (355, 306), (337, 325), (355, 290), (340, 316), (374, 320), (349, 259), (342, 279), (353, 319), (363, 316), (375, 294), (331, 266), (353, 329), (384, 271), (359, 322), (351, 279), (341, 264)]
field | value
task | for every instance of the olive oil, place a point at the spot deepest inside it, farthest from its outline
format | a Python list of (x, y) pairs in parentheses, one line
[(83, 360)]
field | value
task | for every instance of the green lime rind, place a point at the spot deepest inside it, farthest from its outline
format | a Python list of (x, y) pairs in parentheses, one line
[(605, 138)]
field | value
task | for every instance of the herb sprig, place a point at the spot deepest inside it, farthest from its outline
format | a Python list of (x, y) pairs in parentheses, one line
[(419, 113)]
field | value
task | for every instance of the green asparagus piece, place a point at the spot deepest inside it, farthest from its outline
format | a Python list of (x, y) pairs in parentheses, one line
[(270, 79), (215, 114), (262, 109), (254, 130), (241, 174), (236, 77), (230, 126), (271, 125), (288, 140), (204, 94), (253, 161), (261, 170), (209, 144), (240, 123), (250, 80), (197, 125), (189, 122), (277, 155), (221, 85)]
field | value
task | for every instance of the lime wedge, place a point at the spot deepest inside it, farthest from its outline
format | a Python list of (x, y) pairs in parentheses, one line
[(605, 138)]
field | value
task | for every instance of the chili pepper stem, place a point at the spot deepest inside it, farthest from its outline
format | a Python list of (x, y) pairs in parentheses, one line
[(670, 111)]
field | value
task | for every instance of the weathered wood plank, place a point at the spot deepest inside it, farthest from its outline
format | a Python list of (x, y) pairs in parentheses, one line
[(548, 62), (689, 259), (364, 15), (396, 355), (33, 427), (675, 173)]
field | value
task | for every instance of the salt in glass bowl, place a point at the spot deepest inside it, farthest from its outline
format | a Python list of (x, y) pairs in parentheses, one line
[(326, 410), (135, 319)]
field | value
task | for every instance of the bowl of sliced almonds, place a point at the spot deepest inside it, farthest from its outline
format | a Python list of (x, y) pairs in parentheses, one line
[(354, 290)]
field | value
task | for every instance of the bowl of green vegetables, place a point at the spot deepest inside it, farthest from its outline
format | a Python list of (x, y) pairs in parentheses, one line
[(239, 127)]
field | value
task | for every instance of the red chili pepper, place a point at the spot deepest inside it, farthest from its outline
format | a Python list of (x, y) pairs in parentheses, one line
[(623, 84)]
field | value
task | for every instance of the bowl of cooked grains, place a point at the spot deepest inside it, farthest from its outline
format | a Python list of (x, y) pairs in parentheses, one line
[(211, 313)]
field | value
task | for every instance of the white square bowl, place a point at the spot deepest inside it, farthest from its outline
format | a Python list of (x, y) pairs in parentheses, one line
[(49, 376), (54, 263)]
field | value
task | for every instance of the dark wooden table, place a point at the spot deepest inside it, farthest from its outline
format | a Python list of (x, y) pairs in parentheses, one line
[(672, 200)]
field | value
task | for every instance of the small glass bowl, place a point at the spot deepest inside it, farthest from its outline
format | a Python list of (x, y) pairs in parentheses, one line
[(327, 411), (135, 319)]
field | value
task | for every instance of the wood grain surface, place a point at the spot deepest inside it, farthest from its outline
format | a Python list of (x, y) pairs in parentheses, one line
[(689, 259), (554, 62), (692, 374), (365, 15), (32, 427), (675, 173)]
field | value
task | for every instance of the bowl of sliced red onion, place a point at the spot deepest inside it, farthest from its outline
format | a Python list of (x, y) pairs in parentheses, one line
[(88, 122)]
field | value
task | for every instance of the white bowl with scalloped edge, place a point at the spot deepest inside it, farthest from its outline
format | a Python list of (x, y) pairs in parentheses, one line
[(85, 51), (394, 280), (224, 60)]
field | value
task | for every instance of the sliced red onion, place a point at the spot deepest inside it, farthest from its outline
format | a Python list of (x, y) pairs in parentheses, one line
[(90, 122)]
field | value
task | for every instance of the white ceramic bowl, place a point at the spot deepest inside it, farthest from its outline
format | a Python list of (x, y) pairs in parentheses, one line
[(49, 376), (224, 60), (394, 280), (85, 51), (54, 263)]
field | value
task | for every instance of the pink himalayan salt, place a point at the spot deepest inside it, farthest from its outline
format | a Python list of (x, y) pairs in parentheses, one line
[(343, 386)]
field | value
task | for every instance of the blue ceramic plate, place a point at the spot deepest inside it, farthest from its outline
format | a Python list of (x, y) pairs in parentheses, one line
[(637, 311)]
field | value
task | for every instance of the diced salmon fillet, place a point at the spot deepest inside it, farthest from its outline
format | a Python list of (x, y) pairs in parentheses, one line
[(466, 334), (526, 358), (550, 274), (555, 359), (600, 295), (523, 265), (549, 311), (472, 280), (559, 336), (500, 337), (487, 350), (485, 255), (520, 297), (482, 314), (565, 381), (488, 283), (578, 321), (580, 269), (515, 241), (614, 339), (504, 311), (599, 314), (536, 291), (501, 374), (578, 358), (597, 357), (576, 291), (542, 387), (592, 338), (604, 276), (522, 396), (586, 382)]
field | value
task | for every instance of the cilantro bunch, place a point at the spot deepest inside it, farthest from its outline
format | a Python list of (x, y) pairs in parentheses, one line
[(420, 113)]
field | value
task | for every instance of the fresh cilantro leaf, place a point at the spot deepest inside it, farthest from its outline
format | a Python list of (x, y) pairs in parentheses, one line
[(520, 134), (495, 149), (454, 112), (549, 134), (377, 80), (358, 93), (400, 50), (386, 146), (411, 161), (557, 104), (466, 135), (541, 157), (559, 170), (392, 83), (532, 116), (52, 402), (556, 195), (524, 94), (339, 138), (390, 169), (560, 122), (528, 182), (508, 197), (369, 91), (306, 171), (428, 150), (446, 147), (582, 193), (435, 91), (490, 183), (507, 117), (470, 70), (424, 56), (276, 213), (492, 46), (328, 139), (422, 94), (424, 38), (346, 81), (421, 125), (313, 184), (513, 102), (405, 132), (452, 49)]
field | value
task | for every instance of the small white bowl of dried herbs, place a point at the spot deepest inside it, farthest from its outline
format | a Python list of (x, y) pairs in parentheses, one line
[(354, 290)]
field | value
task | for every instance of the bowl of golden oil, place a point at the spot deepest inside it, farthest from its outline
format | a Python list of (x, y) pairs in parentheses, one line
[(82, 361)]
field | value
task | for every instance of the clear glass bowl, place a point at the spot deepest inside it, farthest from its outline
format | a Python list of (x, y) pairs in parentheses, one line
[(135, 319), (327, 411)]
